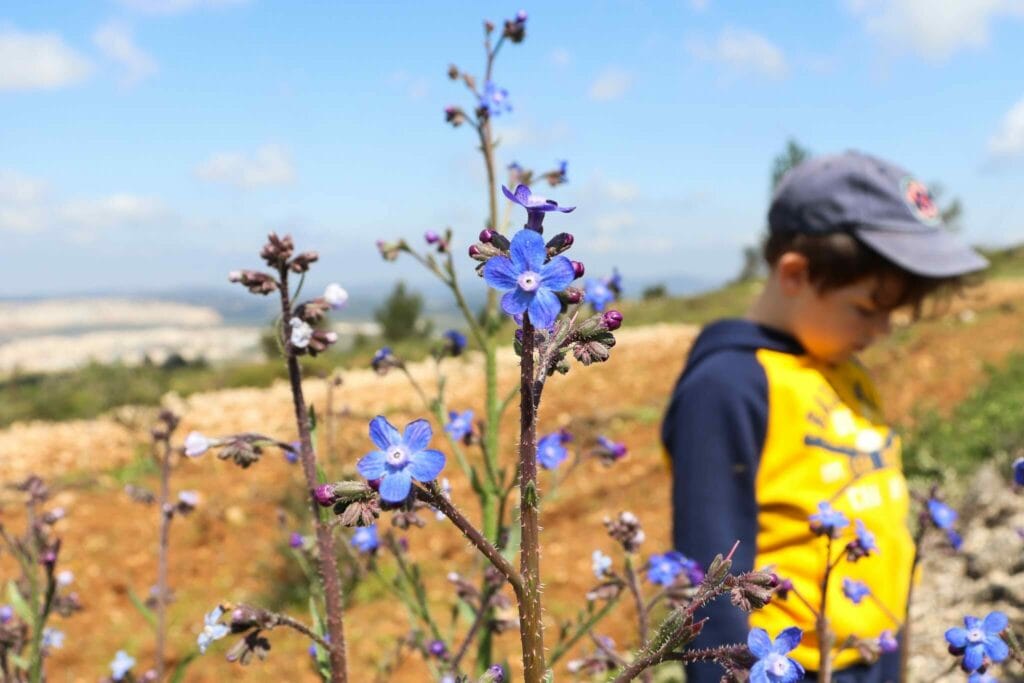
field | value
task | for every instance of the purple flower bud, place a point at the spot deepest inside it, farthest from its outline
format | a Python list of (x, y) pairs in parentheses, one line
[(295, 540), (486, 235), (521, 15), (324, 495), (573, 295), (611, 320), (431, 237), (437, 648), (6, 614), (578, 269), (474, 251), (494, 674)]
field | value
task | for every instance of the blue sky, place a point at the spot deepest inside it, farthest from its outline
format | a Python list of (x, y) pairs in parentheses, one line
[(150, 144)]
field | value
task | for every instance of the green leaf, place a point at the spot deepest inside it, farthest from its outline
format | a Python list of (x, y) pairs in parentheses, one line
[(19, 661), (18, 602), (312, 421), (145, 611), (178, 675)]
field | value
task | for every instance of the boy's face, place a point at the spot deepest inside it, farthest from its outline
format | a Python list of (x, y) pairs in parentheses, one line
[(835, 325)]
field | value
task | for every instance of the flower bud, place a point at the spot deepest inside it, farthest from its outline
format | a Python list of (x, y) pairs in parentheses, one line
[(611, 320), (573, 295), (431, 237), (474, 252), (437, 649), (486, 235), (578, 269), (454, 116), (495, 674), (301, 263), (453, 71), (295, 540), (324, 495), (488, 26), (277, 250), (559, 243), (390, 250)]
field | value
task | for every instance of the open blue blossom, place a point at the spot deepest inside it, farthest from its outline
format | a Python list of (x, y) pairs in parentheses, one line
[(400, 458), (597, 294), (122, 664), (212, 629), (982, 678), (535, 205), (460, 425), (550, 451), (827, 521), (887, 642), (855, 590), (529, 283), (663, 569), (494, 100), (454, 342), (865, 538), (772, 665), (365, 539), (942, 515), (980, 639)]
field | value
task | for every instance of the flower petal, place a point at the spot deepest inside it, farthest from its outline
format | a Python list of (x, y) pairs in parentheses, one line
[(557, 274), (394, 487), (500, 273), (566, 209), (528, 251), (758, 673), (956, 636), (522, 195), (426, 464), (995, 648), (383, 433), (974, 657), (213, 616), (995, 622), (787, 640), (417, 435), (516, 301), (759, 642), (508, 193), (972, 622), (544, 308), (218, 631), (371, 465)]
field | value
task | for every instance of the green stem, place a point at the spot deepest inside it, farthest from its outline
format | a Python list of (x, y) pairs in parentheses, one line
[(582, 630)]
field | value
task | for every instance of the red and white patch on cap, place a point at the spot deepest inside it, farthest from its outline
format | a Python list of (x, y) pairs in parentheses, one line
[(920, 202)]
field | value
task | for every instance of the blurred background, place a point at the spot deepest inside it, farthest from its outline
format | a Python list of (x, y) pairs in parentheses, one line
[(148, 146)]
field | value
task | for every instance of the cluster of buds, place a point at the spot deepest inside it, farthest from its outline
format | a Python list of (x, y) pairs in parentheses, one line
[(752, 590), (593, 340), (453, 115), (626, 530), (304, 338), (253, 280), (277, 251), (515, 29), (302, 262), (166, 423), (390, 250), (244, 449), (356, 503)]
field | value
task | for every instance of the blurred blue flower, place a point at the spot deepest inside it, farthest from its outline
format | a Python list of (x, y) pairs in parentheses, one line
[(459, 425), (597, 294), (942, 515), (529, 283), (827, 521), (212, 629), (52, 639), (401, 458), (600, 563), (982, 678), (494, 99), (365, 539), (295, 540), (196, 444), (292, 455), (855, 590), (772, 665), (955, 539), (535, 205), (980, 639), (865, 537), (1018, 471), (6, 614), (550, 451), (455, 342), (663, 569), (121, 665), (887, 642)]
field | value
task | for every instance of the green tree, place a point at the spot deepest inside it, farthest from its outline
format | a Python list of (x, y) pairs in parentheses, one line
[(794, 154), (399, 315)]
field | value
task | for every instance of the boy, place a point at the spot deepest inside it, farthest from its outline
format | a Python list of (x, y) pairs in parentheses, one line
[(773, 414)]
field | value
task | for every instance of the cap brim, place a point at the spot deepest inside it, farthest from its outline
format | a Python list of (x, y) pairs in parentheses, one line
[(935, 253)]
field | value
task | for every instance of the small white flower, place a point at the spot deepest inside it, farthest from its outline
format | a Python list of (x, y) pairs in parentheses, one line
[(196, 444), (335, 296), (212, 630), (65, 578), (122, 664), (189, 498), (52, 639), (601, 563), (301, 333)]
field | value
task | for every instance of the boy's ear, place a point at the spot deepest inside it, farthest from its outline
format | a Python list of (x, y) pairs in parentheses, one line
[(792, 273)]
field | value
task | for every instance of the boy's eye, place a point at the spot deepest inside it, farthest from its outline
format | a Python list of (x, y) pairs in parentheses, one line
[(864, 311)]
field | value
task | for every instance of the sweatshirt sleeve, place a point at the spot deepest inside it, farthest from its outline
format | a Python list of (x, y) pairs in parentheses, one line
[(714, 432)]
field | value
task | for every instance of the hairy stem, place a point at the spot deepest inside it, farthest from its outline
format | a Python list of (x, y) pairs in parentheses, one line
[(166, 514), (641, 611), (821, 623)]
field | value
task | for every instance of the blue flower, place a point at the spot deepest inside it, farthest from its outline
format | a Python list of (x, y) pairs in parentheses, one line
[(212, 629), (855, 590), (955, 539), (455, 342), (597, 294), (550, 451), (614, 282), (887, 642), (383, 360), (942, 515), (862, 545), (529, 283), (828, 520), (6, 614), (772, 665), (459, 426), (494, 100), (295, 540), (600, 563), (1018, 471), (980, 640), (365, 539), (121, 665), (663, 569), (53, 639), (535, 205), (982, 678), (292, 454), (401, 458)]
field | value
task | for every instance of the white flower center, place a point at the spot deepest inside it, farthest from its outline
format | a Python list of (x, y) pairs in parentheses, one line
[(397, 456), (776, 664), (529, 281), (975, 635)]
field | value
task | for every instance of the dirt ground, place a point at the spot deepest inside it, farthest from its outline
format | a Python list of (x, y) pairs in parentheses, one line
[(231, 548)]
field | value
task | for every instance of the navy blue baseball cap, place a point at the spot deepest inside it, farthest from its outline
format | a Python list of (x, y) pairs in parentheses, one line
[(881, 204)]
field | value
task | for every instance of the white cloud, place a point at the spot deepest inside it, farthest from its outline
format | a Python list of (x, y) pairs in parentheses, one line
[(611, 84), (616, 221), (117, 44), (177, 6), (112, 211), (21, 203), (38, 61), (269, 165), (934, 29), (560, 57), (1008, 141), (742, 52)]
